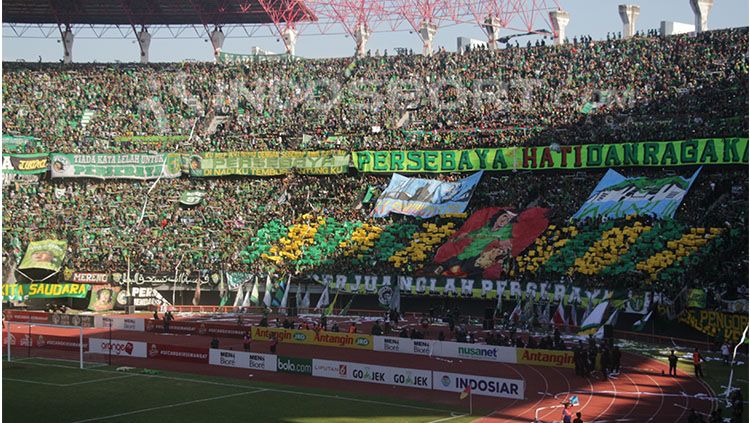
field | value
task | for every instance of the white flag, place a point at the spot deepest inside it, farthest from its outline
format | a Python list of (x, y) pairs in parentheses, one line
[(298, 295), (267, 295), (253, 298), (240, 294), (323, 300), (286, 292), (306, 300)]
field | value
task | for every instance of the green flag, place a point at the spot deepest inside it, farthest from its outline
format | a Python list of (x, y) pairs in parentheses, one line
[(346, 308), (640, 324), (329, 310)]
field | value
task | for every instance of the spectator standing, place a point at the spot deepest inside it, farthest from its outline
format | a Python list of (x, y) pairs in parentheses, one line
[(672, 364), (697, 358)]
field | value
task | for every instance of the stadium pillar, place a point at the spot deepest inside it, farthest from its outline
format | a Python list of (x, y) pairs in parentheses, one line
[(491, 27), (629, 14), (67, 40), (144, 41), (290, 39), (361, 36), (427, 33), (701, 8), (559, 20), (217, 41)]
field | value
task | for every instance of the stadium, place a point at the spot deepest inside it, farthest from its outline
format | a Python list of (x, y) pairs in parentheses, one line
[(538, 225)]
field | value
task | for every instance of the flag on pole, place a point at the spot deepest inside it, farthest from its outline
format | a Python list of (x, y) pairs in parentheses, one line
[(240, 295), (298, 295), (573, 321), (545, 315), (640, 324), (329, 310), (559, 318), (285, 298), (593, 320), (588, 310), (197, 295), (223, 293), (247, 301), (515, 315), (499, 306), (395, 303), (574, 401), (267, 294), (612, 320), (306, 299), (345, 310), (465, 393), (323, 300), (254, 297)]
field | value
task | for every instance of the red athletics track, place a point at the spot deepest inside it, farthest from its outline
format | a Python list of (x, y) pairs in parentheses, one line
[(640, 393)]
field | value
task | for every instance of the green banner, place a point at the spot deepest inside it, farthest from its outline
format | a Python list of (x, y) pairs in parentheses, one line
[(300, 366), (25, 163), (726, 326), (591, 156), (19, 292), (192, 198), (250, 58), (268, 163), (114, 166), (47, 254)]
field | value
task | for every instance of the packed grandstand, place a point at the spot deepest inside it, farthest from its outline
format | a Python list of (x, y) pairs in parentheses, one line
[(562, 175)]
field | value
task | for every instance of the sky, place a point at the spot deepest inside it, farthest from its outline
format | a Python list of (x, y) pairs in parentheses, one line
[(589, 17)]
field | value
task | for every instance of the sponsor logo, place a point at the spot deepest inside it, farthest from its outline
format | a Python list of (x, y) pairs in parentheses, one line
[(342, 369), (391, 345), (294, 365), (202, 329), (118, 348), (421, 347), (299, 336), (362, 341), (153, 351), (446, 381), (546, 358), (40, 342), (366, 374), (490, 386), (129, 324), (227, 358), (477, 352)]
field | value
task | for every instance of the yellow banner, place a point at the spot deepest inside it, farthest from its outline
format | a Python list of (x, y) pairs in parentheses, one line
[(310, 337), (545, 358)]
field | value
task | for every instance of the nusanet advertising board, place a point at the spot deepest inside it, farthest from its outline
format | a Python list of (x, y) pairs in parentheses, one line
[(445, 349), (118, 347), (480, 385), (370, 373), (242, 360)]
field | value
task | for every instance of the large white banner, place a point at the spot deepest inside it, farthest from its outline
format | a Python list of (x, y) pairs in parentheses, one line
[(119, 347), (403, 345), (242, 360), (477, 352), (370, 373), (480, 385)]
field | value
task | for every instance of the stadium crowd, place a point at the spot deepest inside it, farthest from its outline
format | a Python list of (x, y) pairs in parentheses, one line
[(645, 88)]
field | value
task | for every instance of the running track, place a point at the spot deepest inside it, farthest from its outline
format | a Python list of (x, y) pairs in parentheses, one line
[(640, 393)]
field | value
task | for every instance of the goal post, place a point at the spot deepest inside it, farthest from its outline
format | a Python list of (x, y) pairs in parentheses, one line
[(27, 340)]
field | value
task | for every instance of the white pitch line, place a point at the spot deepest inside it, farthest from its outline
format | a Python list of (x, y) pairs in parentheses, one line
[(448, 418), (144, 410), (97, 380), (232, 385), (32, 381)]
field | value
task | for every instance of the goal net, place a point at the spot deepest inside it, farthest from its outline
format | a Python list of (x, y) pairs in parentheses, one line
[(29, 341)]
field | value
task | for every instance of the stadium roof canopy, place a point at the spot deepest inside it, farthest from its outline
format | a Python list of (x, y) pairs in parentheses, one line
[(153, 12)]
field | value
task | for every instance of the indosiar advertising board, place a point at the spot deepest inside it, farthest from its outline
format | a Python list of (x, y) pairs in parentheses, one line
[(480, 385)]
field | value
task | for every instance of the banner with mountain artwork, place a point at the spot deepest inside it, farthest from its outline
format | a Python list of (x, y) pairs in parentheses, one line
[(425, 197), (488, 241), (617, 196)]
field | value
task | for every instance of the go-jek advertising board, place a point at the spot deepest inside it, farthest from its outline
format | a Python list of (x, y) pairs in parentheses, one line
[(369, 373), (480, 385)]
